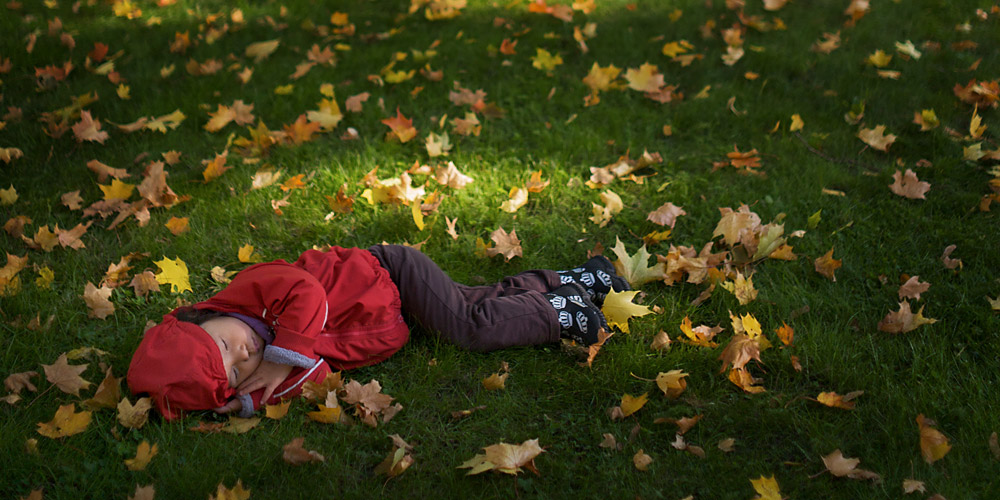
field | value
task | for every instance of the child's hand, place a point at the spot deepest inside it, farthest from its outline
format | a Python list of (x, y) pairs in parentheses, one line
[(267, 376), (232, 406)]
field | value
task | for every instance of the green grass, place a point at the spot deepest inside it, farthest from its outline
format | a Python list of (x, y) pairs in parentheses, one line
[(946, 370)]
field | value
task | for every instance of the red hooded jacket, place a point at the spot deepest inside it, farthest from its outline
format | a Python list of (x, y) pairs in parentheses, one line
[(339, 308)]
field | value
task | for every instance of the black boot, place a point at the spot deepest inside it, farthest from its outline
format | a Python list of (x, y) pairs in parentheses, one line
[(579, 318), (597, 276)]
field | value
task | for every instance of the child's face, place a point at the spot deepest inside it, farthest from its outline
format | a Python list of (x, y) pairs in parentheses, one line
[(241, 348)]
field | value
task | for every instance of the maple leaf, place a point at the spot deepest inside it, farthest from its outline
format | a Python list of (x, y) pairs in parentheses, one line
[(876, 137), (645, 78), (278, 411), (661, 341), (134, 416), (326, 414), (154, 188), (602, 79), (144, 283), (15, 382), (742, 288), (66, 422), (766, 488), (739, 226), (353, 103), (785, 334), (913, 288), (612, 206), (65, 376), (908, 186), (89, 129), (517, 198), (505, 458), (666, 214), (294, 453), (631, 404), (739, 351), (301, 130), (933, 444), (633, 267), (469, 125), (507, 244), (495, 382), (328, 116), (437, 145), (913, 486), (544, 60), (450, 176), (175, 273), (10, 154), (949, 263), (401, 127), (742, 378), (104, 171), (144, 453), (927, 119), (641, 460), (701, 335), (841, 466), (237, 493), (904, 320), (826, 265), (220, 118), (368, 399), (618, 308), (261, 50), (672, 383), (398, 460), (107, 393), (237, 425), (834, 400)]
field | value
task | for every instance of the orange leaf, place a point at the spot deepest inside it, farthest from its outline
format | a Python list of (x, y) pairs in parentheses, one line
[(89, 129), (401, 127), (826, 265)]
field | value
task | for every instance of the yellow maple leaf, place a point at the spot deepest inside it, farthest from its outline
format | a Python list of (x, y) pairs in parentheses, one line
[(517, 198), (143, 454), (237, 493), (134, 416), (933, 444), (876, 137), (66, 422), (261, 50), (601, 79), (545, 61), (879, 59), (742, 288), (631, 404), (327, 116), (644, 79), (672, 383), (246, 254), (278, 411), (175, 273), (766, 488), (618, 308), (118, 190)]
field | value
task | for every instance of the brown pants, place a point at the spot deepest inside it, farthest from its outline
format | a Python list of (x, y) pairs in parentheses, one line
[(512, 312)]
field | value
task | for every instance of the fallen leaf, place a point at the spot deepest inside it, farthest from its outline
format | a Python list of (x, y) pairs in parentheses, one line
[(15, 382), (278, 411), (295, 454), (107, 393), (913, 288), (66, 422), (97, 301), (933, 444), (904, 320), (877, 138), (143, 454), (834, 400), (237, 493), (666, 214), (507, 244), (134, 416), (618, 308), (633, 267), (641, 460), (631, 404), (505, 458), (65, 376), (826, 265), (672, 383), (841, 466), (89, 129), (766, 488), (949, 263), (237, 425), (173, 272), (913, 486), (908, 186)]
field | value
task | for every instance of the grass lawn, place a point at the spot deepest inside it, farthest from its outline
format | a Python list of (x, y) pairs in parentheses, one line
[(623, 105)]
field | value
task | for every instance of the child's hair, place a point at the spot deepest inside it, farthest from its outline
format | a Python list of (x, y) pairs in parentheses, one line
[(179, 365), (195, 315)]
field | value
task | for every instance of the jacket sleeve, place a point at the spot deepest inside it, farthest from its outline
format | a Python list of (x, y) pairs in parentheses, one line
[(284, 296)]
